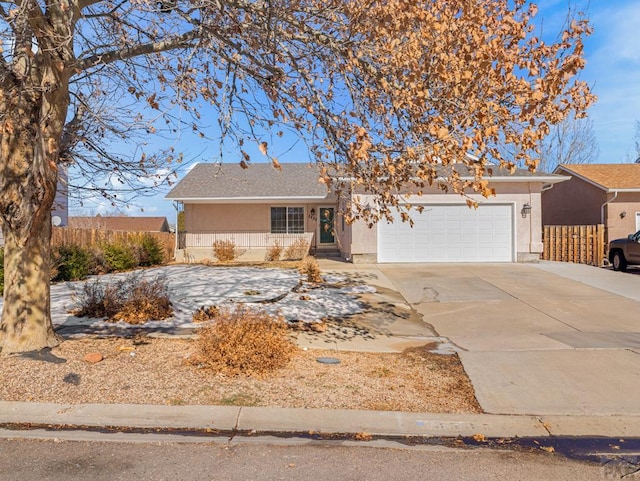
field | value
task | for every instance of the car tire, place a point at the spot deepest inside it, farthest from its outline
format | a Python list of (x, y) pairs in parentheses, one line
[(618, 261)]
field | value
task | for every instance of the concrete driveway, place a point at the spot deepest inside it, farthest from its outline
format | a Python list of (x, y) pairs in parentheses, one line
[(543, 338)]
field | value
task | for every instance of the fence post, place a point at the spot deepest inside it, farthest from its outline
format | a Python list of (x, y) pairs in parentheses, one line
[(601, 246), (580, 244)]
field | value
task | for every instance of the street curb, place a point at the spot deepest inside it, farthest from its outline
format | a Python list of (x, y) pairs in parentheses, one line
[(255, 420)]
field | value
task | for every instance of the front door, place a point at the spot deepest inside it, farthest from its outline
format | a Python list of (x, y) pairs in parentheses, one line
[(327, 229)]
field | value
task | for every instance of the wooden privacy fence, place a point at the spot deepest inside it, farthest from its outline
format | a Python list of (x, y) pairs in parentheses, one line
[(92, 237), (582, 244)]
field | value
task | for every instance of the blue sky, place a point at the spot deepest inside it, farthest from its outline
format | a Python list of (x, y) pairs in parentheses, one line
[(613, 71)]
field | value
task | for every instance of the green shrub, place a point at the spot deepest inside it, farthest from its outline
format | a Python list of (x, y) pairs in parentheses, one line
[(118, 257), (151, 251), (70, 263)]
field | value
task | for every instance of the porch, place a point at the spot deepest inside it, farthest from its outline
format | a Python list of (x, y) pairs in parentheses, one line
[(252, 245)]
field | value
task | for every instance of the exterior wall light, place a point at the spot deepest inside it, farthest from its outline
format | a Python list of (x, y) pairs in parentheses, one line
[(526, 210), (312, 214)]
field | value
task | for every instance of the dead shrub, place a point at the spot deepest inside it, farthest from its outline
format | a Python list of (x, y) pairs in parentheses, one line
[(205, 314), (274, 252), (297, 250), (244, 341), (225, 250), (130, 299), (310, 268)]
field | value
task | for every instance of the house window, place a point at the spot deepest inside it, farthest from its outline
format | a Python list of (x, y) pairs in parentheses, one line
[(287, 220)]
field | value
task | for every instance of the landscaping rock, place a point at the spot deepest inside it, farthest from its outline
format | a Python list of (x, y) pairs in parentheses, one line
[(93, 357)]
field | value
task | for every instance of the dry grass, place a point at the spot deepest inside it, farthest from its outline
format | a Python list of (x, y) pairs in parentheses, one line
[(244, 341), (310, 268), (297, 250), (225, 251), (205, 314), (132, 299), (157, 371), (274, 252), (282, 264)]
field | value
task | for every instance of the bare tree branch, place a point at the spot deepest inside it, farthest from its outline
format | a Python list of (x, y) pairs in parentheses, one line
[(187, 39)]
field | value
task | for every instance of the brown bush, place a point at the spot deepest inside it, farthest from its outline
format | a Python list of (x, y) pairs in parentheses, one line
[(244, 341), (149, 300), (310, 268), (225, 250), (205, 313), (129, 299), (274, 252), (297, 250)]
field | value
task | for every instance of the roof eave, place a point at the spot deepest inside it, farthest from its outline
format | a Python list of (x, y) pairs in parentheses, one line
[(613, 190), (247, 200), (552, 179)]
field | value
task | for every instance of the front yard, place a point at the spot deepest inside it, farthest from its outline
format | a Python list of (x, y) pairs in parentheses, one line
[(149, 363)]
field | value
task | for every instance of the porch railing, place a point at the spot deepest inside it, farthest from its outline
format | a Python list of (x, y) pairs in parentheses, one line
[(244, 240)]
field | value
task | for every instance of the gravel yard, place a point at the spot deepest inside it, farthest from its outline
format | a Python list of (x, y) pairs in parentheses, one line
[(155, 371)]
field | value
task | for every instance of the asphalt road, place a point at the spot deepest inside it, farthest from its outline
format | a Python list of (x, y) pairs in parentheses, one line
[(151, 458)]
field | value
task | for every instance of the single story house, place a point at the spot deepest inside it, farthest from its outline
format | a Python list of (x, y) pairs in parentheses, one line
[(120, 223), (258, 206), (606, 194)]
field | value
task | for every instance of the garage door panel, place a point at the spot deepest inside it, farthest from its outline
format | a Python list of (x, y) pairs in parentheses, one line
[(450, 233)]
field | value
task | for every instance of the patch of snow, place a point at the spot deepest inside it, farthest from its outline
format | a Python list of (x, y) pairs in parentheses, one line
[(194, 286)]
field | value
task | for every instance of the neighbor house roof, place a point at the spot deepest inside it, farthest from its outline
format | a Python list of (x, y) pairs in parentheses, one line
[(133, 224), (258, 181), (609, 177)]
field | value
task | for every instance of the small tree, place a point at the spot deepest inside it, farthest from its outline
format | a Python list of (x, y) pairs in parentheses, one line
[(636, 143), (572, 141)]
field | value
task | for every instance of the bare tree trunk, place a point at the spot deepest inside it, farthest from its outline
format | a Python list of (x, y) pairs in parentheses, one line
[(26, 320), (28, 173)]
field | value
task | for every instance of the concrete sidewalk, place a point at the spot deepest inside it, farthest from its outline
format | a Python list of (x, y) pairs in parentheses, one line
[(230, 421)]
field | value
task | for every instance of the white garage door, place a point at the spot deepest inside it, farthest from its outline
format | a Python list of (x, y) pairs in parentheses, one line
[(450, 233)]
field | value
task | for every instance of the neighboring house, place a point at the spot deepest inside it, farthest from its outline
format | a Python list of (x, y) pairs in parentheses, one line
[(606, 194), (257, 206), (121, 223), (60, 207)]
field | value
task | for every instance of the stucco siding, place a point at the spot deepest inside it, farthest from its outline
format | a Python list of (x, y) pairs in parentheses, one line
[(246, 218), (574, 202), (527, 230), (619, 225), (226, 217)]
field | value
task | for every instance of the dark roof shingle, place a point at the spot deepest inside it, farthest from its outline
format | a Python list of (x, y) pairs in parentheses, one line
[(218, 181), (208, 181)]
